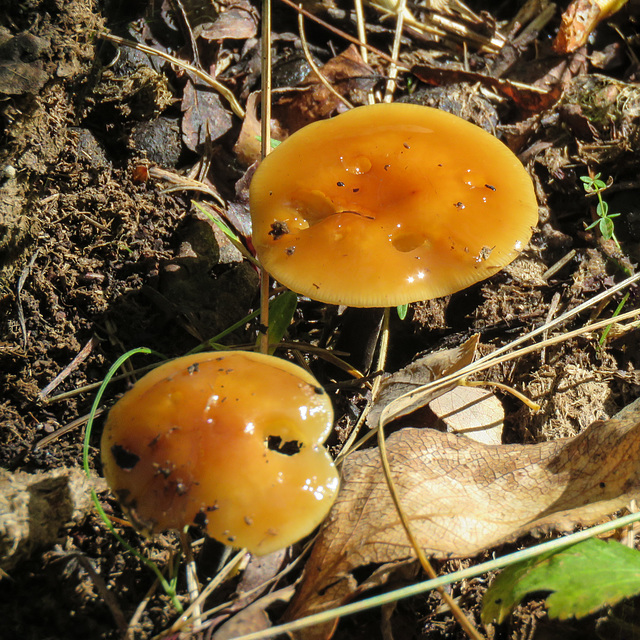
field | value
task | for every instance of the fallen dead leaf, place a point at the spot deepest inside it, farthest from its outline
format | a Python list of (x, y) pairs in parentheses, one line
[(528, 99), (252, 617), (237, 19), (205, 118), (463, 497), (472, 412), (248, 145), (349, 76), (420, 372)]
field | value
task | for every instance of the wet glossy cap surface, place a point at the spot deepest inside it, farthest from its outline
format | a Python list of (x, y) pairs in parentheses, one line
[(389, 204), (229, 440)]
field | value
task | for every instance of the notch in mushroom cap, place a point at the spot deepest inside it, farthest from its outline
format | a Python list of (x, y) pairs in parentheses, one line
[(388, 204), (228, 440)]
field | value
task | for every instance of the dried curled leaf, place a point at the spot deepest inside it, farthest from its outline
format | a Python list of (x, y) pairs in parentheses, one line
[(463, 497), (420, 372)]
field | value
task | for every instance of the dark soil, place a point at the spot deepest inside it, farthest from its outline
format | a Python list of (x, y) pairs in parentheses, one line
[(96, 258)]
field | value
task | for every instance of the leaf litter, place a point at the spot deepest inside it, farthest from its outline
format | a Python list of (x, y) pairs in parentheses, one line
[(463, 497), (96, 227)]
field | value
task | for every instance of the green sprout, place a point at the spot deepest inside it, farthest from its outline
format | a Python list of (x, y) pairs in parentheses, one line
[(605, 219), (402, 311)]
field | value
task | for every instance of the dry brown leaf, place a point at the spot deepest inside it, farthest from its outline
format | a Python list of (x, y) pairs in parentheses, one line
[(248, 145), (237, 19), (349, 76), (463, 497), (472, 412), (252, 617), (205, 118), (528, 99), (421, 371)]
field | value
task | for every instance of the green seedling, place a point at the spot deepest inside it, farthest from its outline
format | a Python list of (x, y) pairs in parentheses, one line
[(594, 185), (605, 219)]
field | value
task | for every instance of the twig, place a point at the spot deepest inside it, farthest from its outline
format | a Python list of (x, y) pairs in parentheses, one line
[(395, 52), (187, 26), (74, 424), (226, 93), (339, 32), (423, 587), (69, 369), (459, 615), (21, 280), (362, 32), (137, 614), (101, 586), (215, 582), (184, 183), (314, 66)]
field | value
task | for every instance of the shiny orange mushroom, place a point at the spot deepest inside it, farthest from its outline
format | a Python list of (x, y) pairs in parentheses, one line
[(231, 441), (389, 204)]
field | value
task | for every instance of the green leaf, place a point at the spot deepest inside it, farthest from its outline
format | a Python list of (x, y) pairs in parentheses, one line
[(582, 578), (274, 143), (402, 311), (602, 209), (606, 228), (281, 312)]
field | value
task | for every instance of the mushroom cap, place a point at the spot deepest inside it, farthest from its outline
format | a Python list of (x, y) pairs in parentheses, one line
[(389, 204), (228, 440)]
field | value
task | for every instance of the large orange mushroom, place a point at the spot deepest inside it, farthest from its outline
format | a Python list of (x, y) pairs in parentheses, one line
[(389, 204), (231, 441)]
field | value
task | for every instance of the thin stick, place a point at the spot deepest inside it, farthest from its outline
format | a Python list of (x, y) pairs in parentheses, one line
[(458, 614), (340, 33), (487, 362), (563, 318), (191, 576), (69, 369), (213, 584), (423, 587), (74, 424), (362, 32), (383, 350), (314, 66), (226, 93), (395, 52)]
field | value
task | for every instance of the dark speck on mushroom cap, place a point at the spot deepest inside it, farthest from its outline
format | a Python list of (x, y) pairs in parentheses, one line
[(389, 204)]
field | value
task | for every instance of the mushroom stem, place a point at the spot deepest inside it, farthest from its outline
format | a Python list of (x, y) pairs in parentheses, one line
[(265, 147), (264, 311)]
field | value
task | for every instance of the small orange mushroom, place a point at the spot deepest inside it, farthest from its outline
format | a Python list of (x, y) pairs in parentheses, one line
[(389, 204), (228, 440)]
